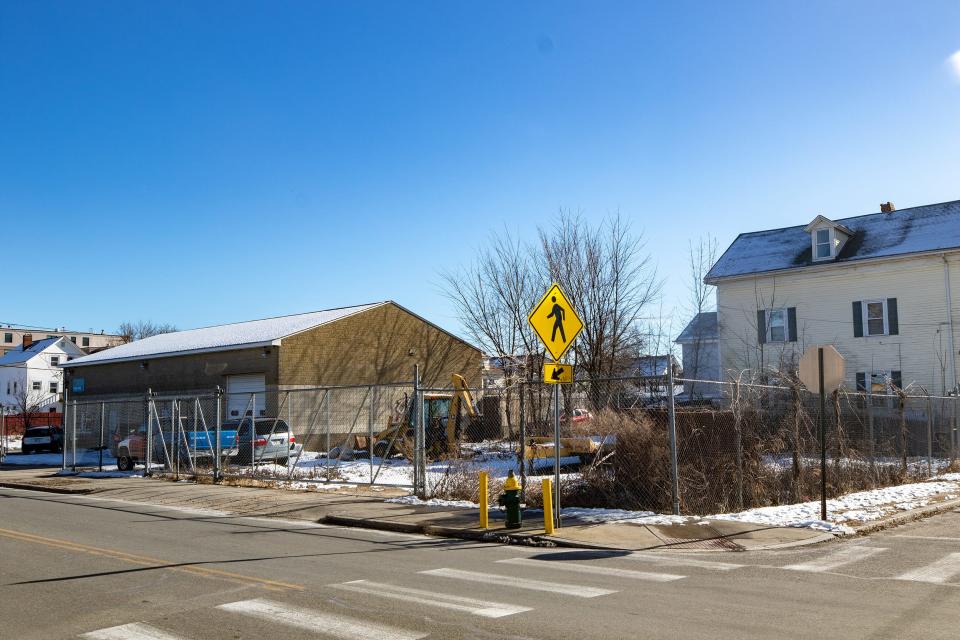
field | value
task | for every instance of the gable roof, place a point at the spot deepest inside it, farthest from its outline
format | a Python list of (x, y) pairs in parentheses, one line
[(932, 227), (224, 337), (20, 355), (702, 327)]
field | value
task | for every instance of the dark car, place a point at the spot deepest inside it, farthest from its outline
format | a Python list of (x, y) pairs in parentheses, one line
[(42, 439)]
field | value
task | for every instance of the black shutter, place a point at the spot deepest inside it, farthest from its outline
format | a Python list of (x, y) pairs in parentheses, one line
[(861, 381), (761, 326), (893, 320), (857, 319), (897, 379), (792, 323)]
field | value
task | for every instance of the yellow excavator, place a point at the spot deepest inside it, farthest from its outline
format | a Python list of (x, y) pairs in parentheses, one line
[(447, 418)]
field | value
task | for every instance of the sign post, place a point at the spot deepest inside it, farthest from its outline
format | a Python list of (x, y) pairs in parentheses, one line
[(557, 325), (821, 368)]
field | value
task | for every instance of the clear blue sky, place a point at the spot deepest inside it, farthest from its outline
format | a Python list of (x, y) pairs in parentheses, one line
[(200, 163)]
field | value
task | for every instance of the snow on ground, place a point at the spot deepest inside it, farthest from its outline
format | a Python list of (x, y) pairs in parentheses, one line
[(853, 508), (434, 502), (13, 443)]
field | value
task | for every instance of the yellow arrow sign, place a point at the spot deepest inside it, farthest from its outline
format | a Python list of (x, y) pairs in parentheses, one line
[(555, 322), (557, 373)]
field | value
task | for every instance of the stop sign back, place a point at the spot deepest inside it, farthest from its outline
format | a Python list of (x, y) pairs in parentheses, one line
[(833, 369)]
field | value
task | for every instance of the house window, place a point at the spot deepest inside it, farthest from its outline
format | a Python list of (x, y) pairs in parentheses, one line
[(37, 385), (53, 387), (54, 361), (8, 338), (73, 339), (777, 325), (85, 341), (824, 246), (875, 317)]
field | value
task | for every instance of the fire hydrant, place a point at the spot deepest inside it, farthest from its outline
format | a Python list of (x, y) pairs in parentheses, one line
[(510, 500)]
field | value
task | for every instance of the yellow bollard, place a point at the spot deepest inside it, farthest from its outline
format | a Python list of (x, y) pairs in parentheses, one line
[(547, 506), (484, 515)]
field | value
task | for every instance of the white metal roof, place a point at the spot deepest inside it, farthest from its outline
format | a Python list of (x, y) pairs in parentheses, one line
[(240, 335)]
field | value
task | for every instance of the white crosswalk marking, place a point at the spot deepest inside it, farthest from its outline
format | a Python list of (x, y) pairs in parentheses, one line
[(936, 572), (598, 570), (676, 559), (520, 583), (326, 624), (132, 631), (442, 600), (838, 558)]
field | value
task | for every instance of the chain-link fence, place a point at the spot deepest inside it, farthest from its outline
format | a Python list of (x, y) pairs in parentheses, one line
[(398, 435), (737, 446)]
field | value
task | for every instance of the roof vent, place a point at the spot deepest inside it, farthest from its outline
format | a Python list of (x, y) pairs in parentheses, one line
[(887, 207)]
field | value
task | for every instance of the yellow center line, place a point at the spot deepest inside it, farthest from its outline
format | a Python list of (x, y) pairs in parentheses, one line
[(147, 560)]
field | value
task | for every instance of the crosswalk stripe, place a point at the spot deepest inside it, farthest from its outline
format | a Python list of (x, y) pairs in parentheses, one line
[(132, 631), (838, 558), (676, 559), (326, 624), (936, 572), (442, 600), (583, 568), (520, 583)]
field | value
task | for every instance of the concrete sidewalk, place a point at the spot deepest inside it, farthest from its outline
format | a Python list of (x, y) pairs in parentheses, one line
[(365, 507)]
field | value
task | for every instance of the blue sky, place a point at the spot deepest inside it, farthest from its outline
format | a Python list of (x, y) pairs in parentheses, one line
[(200, 163)]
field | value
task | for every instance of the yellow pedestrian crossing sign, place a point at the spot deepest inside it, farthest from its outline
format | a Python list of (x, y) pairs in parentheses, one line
[(557, 373), (555, 322)]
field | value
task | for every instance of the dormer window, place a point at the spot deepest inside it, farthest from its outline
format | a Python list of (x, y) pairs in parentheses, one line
[(826, 238), (824, 248)]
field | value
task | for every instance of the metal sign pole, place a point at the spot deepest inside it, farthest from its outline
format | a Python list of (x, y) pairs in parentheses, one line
[(823, 440), (556, 452)]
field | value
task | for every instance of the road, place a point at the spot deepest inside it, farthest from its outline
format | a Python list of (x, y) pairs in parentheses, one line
[(84, 567)]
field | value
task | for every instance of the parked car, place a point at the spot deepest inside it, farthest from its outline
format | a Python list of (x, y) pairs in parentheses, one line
[(42, 439), (270, 441), (132, 448)]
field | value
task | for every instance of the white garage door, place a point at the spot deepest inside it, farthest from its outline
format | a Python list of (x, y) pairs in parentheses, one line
[(239, 389)]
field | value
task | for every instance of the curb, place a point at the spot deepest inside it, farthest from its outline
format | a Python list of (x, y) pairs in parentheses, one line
[(425, 528), (26, 486), (907, 516)]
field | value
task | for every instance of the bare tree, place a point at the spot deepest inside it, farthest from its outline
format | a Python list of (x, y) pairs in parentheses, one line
[(130, 331), (701, 256), (28, 402), (612, 281)]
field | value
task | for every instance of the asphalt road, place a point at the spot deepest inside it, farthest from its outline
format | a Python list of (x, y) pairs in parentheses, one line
[(82, 567)]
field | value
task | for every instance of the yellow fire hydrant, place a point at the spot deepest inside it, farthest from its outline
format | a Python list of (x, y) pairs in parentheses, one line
[(510, 500)]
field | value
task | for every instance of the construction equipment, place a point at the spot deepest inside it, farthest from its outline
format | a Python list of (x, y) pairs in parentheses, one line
[(582, 447), (444, 425)]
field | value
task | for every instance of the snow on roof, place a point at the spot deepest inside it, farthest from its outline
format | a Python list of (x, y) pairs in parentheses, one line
[(933, 227), (253, 333), (703, 326), (21, 355)]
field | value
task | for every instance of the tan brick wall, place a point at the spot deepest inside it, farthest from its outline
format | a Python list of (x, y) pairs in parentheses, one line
[(198, 372), (373, 348)]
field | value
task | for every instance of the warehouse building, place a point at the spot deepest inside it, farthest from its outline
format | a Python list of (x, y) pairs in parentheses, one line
[(372, 344)]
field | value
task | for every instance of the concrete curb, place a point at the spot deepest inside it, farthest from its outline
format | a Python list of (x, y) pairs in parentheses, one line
[(906, 516), (26, 486)]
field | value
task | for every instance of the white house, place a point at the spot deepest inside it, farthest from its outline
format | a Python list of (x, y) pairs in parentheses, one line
[(883, 288), (30, 376)]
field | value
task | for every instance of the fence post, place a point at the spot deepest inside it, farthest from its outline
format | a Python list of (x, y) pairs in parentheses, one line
[(929, 435), (218, 464), (871, 443), (523, 445), (148, 454), (73, 436), (737, 443), (419, 453), (370, 391), (3, 434), (103, 413), (672, 415)]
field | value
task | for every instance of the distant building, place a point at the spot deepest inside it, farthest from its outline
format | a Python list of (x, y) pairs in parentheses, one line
[(31, 376), (11, 337), (699, 343)]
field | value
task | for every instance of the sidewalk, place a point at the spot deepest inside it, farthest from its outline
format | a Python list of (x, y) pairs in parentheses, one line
[(365, 507)]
